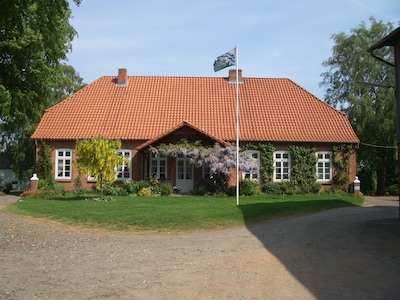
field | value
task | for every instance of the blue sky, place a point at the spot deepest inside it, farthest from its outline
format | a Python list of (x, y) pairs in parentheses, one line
[(287, 39)]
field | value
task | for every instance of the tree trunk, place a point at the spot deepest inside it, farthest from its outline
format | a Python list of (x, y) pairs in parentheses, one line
[(380, 188), (101, 187)]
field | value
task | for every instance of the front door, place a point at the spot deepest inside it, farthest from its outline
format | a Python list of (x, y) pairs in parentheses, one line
[(184, 174)]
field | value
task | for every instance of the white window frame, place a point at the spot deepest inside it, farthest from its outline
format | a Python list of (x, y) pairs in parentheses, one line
[(324, 166), (253, 176), (155, 166), (125, 167), (284, 160), (65, 162)]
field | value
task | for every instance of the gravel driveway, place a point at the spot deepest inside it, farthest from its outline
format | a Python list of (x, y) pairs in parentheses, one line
[(346, 253)]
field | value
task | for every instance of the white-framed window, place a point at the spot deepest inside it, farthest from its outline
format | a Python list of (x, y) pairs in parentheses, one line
[(124, 171), (281, 166), (63, 164), (184, 169), (158, 166), (254, 175), (324, 166)]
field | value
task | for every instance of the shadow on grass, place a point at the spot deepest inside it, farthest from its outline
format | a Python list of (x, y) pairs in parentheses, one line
[(257, 212), (351, 252)]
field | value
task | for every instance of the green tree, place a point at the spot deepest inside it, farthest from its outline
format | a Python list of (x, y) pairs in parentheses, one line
[(98, 157), (44, 163), (370, 109), (35, 37), (70, 82)]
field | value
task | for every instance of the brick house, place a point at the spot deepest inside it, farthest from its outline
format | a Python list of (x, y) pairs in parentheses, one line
[(148, 110)]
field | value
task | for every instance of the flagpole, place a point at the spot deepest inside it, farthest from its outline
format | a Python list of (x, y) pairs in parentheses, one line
[(237, 125)]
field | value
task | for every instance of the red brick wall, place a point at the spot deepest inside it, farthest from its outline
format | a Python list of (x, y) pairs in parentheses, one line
[(70, 144), (140, 163)]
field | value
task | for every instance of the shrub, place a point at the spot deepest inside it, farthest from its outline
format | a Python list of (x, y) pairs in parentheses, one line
[(44, 184), (133, 187), (231, 191), (393, 190), (78, 190), (145, 192), (271, 188), (315, 188), (155, 186), (113, 190), (166, 189), (201, 190), (248, 187), (53, 190)]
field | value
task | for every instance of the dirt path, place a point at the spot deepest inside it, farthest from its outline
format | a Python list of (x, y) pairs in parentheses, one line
[(347, 253)]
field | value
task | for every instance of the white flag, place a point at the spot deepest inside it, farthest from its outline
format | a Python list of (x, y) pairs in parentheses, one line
[(225, 60)]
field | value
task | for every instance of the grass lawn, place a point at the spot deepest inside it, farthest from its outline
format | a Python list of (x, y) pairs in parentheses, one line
[(166, 214)]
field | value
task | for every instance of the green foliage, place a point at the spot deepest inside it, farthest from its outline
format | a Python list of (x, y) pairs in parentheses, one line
[(51, 189), (78, 190), (230, 191), (19, 151), (361, 196), (97, 157), (370, 109), (201, 190), (266, 159), (303, 177), (44, 184), (393, 190), (155, 186), (34, 41), (248, 187), (145, 192), (341, 160), (271, 188), (69, 82), (335, 191), (113, 190), (142, 187), (166, 189), (133, 187), (44, 163), (368, 178)]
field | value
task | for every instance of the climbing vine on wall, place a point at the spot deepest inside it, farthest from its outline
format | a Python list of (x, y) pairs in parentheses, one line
[(341, 161), (303, 177), (266, 159), (44, 164)]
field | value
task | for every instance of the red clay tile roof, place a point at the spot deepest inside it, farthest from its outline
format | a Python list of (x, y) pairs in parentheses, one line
[(172, 130), (271, 109)]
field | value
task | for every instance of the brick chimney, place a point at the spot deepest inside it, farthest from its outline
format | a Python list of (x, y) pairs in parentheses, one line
[(122, 79), (232, 76)]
